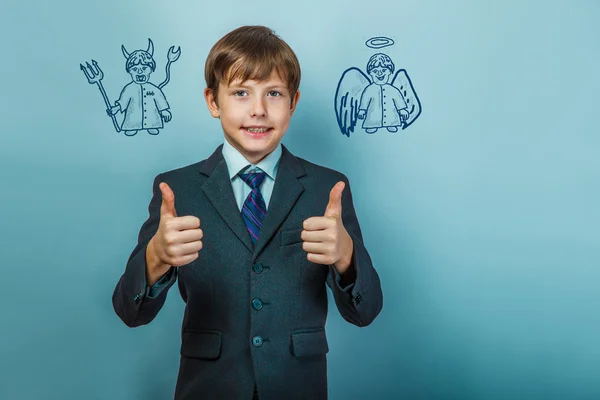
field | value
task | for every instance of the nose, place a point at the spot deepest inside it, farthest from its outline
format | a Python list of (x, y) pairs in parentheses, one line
[(258, 108)]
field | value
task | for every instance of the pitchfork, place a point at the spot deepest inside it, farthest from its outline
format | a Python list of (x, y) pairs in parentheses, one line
[(94, 75)]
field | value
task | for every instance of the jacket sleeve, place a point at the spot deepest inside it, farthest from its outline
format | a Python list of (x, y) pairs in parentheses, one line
[(361, 301), (133, 301)]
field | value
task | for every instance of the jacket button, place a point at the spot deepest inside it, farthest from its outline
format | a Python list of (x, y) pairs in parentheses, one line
[(257, 341), (257, 304), (257, 267)]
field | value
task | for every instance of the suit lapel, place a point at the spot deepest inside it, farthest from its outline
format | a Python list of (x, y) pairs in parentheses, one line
[(220, 193), (286, 191)]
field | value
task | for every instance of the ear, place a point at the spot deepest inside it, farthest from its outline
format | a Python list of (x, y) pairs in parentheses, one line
[(294, 102), (211, 103)]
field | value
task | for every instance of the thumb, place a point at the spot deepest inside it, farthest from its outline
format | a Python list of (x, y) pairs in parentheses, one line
[(167, 207), (334, 207)]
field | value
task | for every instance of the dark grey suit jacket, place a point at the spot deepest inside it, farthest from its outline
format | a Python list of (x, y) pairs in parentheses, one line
[(253, 313)]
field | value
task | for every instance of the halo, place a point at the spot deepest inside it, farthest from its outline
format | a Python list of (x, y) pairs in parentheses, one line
[(379, 42)]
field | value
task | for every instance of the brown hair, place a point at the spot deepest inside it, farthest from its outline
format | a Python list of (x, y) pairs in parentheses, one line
[(251, 52)]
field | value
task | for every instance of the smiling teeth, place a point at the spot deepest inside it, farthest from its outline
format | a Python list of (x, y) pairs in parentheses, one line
[(257, 130)]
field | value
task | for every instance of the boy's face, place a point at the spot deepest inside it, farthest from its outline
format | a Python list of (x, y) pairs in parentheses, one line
[(254, 114)]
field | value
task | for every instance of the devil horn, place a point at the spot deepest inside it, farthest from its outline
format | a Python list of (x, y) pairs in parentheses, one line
[(150, 47), (125, 53)]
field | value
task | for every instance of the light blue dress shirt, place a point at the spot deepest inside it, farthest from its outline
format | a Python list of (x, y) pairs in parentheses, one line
[(236, 162)]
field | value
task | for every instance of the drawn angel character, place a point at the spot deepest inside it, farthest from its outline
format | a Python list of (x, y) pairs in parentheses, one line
[(376, 101), (144, 104)]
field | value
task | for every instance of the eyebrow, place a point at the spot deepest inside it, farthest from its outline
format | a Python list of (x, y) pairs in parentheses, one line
[(270, 87), (277, 87)]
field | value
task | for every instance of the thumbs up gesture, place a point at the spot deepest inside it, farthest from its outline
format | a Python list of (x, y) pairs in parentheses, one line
[(325, 239), (176, 242)]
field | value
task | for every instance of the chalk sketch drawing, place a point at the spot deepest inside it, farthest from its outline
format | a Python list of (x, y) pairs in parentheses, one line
[(380, 101), (143, 103)]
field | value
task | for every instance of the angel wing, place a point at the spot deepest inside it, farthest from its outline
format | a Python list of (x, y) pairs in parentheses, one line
[(402, 82), (347, 98)]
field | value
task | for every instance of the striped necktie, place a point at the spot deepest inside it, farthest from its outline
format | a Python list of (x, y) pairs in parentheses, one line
[(254, 209)]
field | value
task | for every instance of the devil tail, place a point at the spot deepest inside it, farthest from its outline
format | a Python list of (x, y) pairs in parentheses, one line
[(168, 73)]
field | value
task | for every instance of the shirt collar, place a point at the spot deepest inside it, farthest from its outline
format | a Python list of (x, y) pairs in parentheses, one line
[(236, 161)]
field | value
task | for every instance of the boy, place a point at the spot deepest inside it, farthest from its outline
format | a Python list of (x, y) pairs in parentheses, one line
[(252, 277)]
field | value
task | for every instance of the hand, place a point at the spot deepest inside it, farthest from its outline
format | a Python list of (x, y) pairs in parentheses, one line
[(113, 110), (403, 114), (361, 114), (177, 240), (166, 115), (325, 239)]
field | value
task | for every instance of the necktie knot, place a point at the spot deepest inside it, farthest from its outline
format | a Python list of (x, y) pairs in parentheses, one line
[(254, 179)]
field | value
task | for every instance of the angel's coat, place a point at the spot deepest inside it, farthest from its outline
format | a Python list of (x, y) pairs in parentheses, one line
[(381, 103)]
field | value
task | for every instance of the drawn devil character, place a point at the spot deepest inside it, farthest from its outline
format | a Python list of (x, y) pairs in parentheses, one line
[(143, 103)]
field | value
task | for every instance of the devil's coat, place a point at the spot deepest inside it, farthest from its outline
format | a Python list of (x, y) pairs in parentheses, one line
[(142, 104)]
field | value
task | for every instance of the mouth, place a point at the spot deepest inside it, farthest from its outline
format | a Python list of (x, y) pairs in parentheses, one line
[(257, 131), (140, 78)]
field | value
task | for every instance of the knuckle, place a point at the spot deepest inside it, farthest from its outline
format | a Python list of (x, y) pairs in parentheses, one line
[(169, 240), (169, 251)]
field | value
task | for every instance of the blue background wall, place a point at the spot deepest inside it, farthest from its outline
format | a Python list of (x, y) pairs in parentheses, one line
[(482, 217)]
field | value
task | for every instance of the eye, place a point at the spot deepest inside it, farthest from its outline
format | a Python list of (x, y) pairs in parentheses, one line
[(240, 93), (274, 93)]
